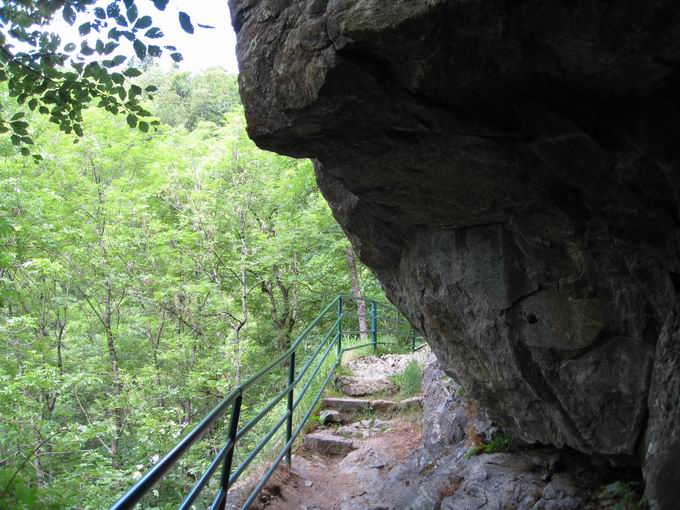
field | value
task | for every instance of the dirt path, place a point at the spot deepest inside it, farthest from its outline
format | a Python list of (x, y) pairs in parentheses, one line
[(322, 481)]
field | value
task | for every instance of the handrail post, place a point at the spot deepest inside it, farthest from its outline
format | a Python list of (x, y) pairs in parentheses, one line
[(374, 325), (233, 430), (289, 423), (339, 326)]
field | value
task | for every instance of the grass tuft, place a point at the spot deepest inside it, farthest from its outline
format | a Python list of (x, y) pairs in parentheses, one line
[(410, 380), (628, 495), (500, 443)]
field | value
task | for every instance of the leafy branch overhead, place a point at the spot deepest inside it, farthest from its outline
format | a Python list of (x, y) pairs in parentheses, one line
[(60, 78)]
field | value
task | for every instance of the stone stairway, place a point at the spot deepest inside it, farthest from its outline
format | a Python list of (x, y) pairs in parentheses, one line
[(357, 439)]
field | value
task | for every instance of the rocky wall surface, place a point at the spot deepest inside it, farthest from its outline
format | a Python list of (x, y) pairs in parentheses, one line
[(442, 474), (510, 172)]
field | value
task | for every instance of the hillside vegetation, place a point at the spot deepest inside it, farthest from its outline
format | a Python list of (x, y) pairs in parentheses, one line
[(142, 275)]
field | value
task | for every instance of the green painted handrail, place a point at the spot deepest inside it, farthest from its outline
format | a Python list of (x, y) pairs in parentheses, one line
[(234, 400)]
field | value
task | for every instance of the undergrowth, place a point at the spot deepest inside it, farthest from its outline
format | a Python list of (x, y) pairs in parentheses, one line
[(500, 443), (628, 496), (387, 344), (410, 380)]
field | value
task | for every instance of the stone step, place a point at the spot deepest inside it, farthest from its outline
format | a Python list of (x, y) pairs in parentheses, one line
[(385, 406), (328, 444), (353, 405), (363, 386), (412, 403)]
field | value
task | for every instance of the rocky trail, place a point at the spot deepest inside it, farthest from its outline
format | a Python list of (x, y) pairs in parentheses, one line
[(363, 433), (374, 451)]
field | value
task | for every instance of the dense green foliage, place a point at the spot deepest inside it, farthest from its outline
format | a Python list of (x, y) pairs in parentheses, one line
[(58, 78), (141, 276)]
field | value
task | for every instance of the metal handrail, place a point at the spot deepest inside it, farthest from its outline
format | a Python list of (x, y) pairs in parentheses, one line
[(234, 399)]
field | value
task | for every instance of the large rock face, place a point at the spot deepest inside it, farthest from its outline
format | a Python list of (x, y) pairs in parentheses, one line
[(510, 171)]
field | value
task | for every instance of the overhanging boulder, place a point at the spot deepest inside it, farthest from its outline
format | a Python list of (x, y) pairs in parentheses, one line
[(511, 173)]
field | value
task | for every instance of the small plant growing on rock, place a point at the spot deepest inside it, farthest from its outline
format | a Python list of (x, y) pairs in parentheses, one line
[(624, 495), (343, 370), (500, 443), (410, 380)]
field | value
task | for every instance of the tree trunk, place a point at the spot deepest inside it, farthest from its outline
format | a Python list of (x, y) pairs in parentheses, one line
[(118, 411), (356, 292)]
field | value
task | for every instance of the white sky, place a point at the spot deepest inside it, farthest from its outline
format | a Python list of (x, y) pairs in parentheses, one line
[(206, 47), (202, 49)]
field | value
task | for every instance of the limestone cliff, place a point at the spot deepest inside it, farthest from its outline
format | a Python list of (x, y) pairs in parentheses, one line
[(510, 171)]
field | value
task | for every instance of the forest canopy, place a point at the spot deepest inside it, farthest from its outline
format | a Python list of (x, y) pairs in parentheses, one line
[(59, 73), (142, 275)]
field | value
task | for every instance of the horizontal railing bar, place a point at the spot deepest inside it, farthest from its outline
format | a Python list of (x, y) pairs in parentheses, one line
[(205, 478), (305, 331), (255, 420), (286, 390), (389, 323), (311, 358), (292, 439), (198, 487), (371, 344), (243, 465), (138, 490), (275, 428), (291, 349), (316, 370), (219, 498)]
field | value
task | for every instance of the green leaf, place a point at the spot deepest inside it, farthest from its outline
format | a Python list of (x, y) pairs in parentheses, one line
[(143, 22), (177, 57), (85, 49), (132, 72), (85, 28), (100, 13), (17, 116), (151, 88), (131, 120), (185, 22), (140, 49), (135, 90), (132, 13), (144, 127), (113, 10), (161, 4), (109, 47), (69, 47), (154, 33), (69, 14)]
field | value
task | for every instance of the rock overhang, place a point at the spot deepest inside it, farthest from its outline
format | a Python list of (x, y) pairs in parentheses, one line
[(510, 173)]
